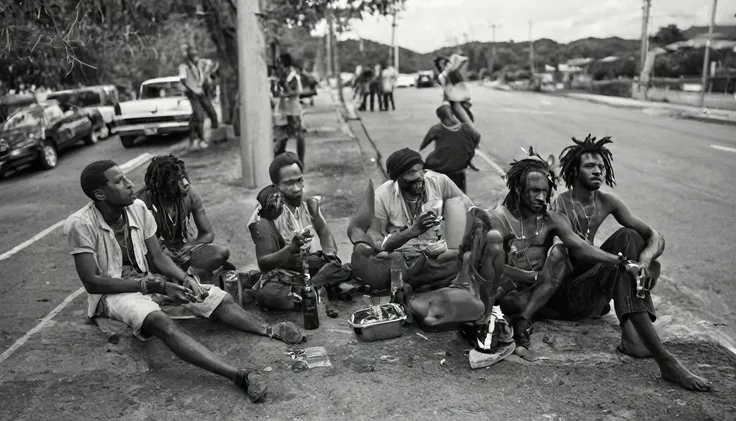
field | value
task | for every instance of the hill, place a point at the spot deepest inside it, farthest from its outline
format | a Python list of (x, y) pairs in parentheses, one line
[(719, 31)]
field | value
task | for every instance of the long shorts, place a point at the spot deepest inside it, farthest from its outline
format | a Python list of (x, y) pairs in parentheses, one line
[(132, 308)]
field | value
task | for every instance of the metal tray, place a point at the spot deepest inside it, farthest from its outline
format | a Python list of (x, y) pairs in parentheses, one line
[(379, 329)]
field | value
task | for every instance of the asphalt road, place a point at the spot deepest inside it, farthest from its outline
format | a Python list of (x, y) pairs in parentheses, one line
[(667, 172), (36, 279)]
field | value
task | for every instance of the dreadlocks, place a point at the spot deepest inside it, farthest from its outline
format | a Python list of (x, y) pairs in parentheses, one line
[(162, 183), (570, 158), (517, 175)]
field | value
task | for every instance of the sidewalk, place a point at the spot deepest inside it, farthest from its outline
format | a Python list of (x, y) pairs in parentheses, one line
[(711, 115), (68, 372)]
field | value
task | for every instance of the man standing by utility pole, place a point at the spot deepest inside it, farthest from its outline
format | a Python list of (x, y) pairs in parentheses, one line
[(195, 73)]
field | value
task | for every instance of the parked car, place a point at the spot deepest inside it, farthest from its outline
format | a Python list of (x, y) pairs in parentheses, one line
[(425, 79), (12, 103), (36, 133), (161, 109), (405, 81), (98, 101)]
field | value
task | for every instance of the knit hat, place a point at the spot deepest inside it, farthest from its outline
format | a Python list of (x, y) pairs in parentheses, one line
[(401, 161)]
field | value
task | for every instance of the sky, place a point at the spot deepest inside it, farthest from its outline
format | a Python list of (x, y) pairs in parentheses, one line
[(426, 25)]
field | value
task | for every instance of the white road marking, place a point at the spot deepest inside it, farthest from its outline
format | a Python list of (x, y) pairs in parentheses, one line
[(723, 148), (126, 167), (490, 162), (44, 322), (545, 102)]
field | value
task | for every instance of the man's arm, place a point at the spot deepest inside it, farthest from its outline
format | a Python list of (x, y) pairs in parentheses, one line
[(205, 235), (655, 240), (329, 245), (268, 253), (586, 251), (95, 283), (429, 137)]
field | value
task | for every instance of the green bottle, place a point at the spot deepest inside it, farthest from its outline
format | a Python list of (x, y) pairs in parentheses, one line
[(309, 301)]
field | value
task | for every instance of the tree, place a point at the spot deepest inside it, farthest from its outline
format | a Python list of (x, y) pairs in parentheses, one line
[(667, 35)]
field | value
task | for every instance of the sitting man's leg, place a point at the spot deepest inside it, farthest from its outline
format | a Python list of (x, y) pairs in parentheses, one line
[(146, 318), (219, 305), (639, 337), (471, 294), (208, 258), (556, 268)]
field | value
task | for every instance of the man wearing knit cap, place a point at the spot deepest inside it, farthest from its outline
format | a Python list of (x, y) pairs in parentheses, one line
[(408, 214)]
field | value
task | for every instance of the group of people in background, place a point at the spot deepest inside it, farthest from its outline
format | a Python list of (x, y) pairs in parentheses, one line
[(377, 82)]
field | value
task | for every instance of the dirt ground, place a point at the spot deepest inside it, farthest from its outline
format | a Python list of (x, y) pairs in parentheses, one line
[(69, 372)]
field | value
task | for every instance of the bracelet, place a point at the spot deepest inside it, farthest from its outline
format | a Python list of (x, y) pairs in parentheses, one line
[(144, 290), (154, 287)]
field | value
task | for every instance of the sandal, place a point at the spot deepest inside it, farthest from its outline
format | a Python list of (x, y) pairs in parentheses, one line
[(253, 385)]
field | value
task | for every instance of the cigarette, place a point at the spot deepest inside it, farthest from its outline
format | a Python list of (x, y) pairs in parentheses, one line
[(422, 336)]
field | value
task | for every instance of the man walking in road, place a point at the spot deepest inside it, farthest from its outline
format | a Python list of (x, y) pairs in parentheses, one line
[(195, 73), (113, 239), (455, 145)]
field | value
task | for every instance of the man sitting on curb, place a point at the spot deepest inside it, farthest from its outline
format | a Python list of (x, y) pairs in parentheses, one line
[(172, 200), (112, 239), (282, 228), (403, 227), (588, 290)]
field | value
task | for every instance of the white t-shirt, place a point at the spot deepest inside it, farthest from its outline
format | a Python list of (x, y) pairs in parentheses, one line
[(388, 79)]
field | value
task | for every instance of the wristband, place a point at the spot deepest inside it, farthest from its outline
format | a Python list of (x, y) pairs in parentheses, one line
[(154, 287)]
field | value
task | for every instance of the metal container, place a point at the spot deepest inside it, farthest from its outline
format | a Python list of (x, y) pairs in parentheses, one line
[(376, 330)]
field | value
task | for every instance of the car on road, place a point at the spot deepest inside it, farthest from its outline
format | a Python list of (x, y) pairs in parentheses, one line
[(405, 81), (36, 133), (161, 109), (98, 101), (425, 79)]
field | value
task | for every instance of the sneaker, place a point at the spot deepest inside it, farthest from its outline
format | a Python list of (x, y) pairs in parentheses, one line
[(253, 384)]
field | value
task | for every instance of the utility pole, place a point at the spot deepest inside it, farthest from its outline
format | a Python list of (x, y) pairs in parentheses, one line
[(328, 47), (256, 151), (531, 49), (335, 55), (706, 59), (394, 45), (493, 49), (644, 37)]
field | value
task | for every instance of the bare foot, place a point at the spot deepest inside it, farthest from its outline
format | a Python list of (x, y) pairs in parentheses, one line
[(633, 349), (676, 373), (527, 354)]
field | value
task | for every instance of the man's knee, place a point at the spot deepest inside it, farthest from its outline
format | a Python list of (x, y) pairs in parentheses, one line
[(494, 242), (159, 324), (622, 240), (222, 254), (557, 254)]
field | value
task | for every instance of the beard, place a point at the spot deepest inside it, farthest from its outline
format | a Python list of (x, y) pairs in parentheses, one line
[(414, 188)]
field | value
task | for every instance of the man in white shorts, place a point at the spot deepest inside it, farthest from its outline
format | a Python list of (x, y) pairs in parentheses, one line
[(113, 239)]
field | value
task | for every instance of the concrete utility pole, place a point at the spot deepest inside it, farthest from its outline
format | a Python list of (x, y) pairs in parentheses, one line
[(531, 49), (644, 36), (394, 45), (493, 49), (256, 151), (706, 59), (328, 45)]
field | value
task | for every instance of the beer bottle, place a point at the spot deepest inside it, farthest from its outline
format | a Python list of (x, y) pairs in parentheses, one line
[(309, 301)]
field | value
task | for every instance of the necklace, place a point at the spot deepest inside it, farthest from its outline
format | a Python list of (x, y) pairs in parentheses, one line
[(585, 214), (514, 250)]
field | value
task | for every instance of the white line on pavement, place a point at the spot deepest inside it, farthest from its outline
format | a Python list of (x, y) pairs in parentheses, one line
[(126, 167), (490, 162), (19, 343), (723, 148)]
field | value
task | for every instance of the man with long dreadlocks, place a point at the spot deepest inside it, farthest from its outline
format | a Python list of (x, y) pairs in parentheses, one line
[(507, 250), (587, 290), (172, 200)]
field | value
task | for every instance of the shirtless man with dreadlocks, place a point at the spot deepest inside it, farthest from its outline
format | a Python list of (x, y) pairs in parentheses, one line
[(512, 249), (172, 200), (587, 290)]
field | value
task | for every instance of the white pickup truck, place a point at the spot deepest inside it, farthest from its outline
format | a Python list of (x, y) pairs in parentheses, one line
[(162, 108)]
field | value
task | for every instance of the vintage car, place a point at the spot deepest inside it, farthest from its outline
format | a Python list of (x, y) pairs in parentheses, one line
[(162, 108), (36, 133), (425, 79), (97, 101)]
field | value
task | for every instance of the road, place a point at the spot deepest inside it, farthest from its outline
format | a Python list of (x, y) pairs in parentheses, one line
[(35, 280), (675, 174)]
